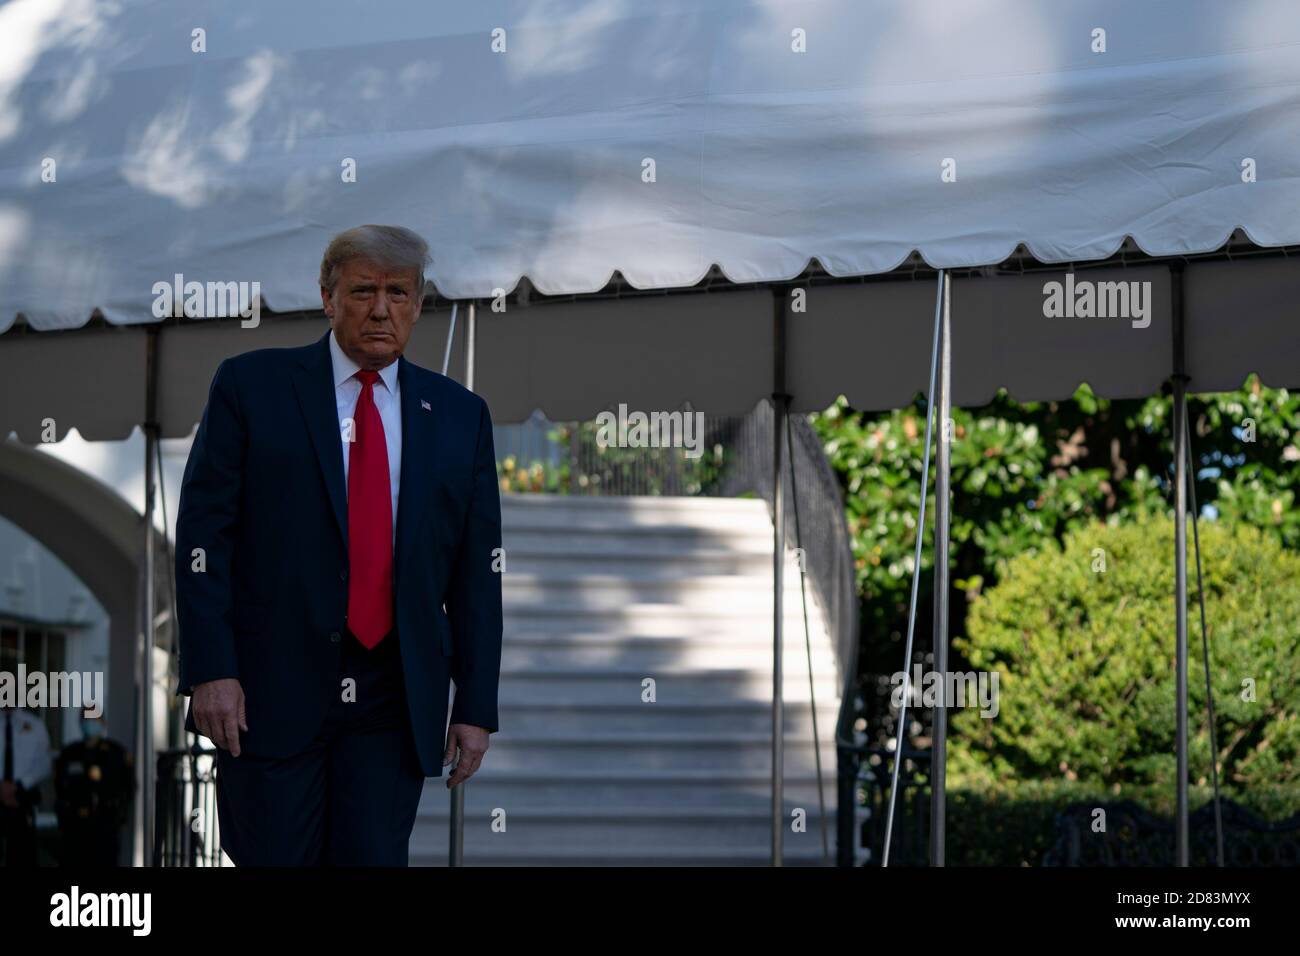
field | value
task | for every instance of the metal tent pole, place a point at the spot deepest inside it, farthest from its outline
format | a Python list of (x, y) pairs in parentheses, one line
[(1180, 619), (451, 336), (471, 336), (148, 771), (1180, 560), (916, 569), (780, 409), (942, 521), (1205, 646), (456, 835)]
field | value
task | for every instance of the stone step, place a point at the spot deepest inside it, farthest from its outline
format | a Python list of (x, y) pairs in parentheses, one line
[(804, 853), (625, 684), (696, 511), (752, 717), (590, 530), (742, 649), (634, 789), (537, 748), (639, 561), (568, 614), (615, 828), (666, 539), (668, 585), (652, 541)]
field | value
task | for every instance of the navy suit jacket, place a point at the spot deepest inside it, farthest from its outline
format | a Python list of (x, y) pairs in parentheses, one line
[(266, 599)]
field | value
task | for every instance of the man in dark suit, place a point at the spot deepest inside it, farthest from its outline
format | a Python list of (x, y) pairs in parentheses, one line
[(338, 546)]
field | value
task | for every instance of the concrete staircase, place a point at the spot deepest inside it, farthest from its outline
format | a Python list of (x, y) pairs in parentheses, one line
[(601, 594)]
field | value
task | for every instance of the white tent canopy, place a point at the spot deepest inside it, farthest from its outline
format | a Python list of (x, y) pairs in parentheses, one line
[(519, 138), (228, 164)]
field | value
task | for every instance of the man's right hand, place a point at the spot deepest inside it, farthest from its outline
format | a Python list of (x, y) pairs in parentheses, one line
[(218, 710)]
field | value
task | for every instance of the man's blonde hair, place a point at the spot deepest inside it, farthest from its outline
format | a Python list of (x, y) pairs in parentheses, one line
[(389, 247)]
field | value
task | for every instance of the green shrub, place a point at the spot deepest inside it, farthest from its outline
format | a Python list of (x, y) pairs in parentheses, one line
[(1086, 664)]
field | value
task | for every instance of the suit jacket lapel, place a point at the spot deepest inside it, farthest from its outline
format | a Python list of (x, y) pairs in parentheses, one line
[(313, 381)]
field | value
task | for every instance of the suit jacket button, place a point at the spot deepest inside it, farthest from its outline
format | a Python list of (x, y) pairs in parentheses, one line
[(335, 637), (343, 575)]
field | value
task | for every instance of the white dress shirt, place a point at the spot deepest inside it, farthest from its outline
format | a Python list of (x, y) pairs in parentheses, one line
[(387, 399), (31, 747)]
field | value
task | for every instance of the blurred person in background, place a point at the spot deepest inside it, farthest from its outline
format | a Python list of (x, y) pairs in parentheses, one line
[(24, 763), (94, 782)]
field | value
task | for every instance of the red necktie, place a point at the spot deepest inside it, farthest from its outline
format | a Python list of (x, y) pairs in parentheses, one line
[(370, 521)]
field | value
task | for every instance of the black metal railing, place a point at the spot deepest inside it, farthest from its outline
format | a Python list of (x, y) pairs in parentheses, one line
[(1124, 834), (909, 845), (572, 458), (822, 531), (186, 831), (866, 764)]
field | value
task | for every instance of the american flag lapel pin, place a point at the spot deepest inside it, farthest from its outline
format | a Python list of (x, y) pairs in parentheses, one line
[(425, 405)]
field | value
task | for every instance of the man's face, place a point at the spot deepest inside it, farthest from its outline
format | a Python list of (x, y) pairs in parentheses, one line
[(371, 312)]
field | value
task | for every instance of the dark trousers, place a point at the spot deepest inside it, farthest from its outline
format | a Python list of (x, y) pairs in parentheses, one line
[(350, 798), (17, 837)]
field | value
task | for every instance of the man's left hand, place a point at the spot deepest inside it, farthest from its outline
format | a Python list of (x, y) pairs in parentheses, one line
[(472, 742)]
